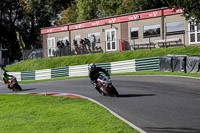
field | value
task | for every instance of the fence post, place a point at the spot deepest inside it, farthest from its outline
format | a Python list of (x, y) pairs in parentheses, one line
[(134, 42), (119, 46), (184, 38), (150, 42), (165, 41), (105, 47)]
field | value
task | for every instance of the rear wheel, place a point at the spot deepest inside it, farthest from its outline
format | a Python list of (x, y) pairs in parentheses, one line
[(115, 93), (18, 87)]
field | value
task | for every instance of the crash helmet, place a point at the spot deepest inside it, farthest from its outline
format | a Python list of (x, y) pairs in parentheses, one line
[(91, 67)]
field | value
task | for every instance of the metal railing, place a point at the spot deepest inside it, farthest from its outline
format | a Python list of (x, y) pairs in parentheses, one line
[(155, 41), (148, 42)]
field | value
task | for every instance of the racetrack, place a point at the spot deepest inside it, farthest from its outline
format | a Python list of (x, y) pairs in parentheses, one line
[(156, 104)]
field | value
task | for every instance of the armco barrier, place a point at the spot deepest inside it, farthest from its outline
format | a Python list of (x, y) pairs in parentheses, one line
[(147, 64), (17, 75), (106, 66), (82, 70), (43, 74), (28, 75), (123, 66), (60, 72)]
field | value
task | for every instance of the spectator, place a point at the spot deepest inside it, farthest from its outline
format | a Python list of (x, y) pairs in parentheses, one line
[(68, 47), (93, 41), (84, 49), (76, 46), (60, 46), (87, 42)]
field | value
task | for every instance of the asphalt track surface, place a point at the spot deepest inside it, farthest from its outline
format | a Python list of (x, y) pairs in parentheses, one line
[(156, 104)]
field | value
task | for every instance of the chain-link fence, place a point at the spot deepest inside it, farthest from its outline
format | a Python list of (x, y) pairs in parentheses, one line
[(32, 54), (60, 51)]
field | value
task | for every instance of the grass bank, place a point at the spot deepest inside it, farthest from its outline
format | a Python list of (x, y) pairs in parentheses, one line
[(48, 114), (47, 63), (196, 75)]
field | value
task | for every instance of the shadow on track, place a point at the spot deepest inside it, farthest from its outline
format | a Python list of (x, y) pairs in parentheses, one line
[(135, 95)]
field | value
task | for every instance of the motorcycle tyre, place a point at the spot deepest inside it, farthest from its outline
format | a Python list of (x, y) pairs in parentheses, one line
[(17, 87), (115, 93)]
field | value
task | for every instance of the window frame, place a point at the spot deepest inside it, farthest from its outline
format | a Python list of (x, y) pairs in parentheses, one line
[(78, 41), (133, 38), (98, 38), (155, 35), (63, 39), (175, 32), (112, 40), (52, 47), (195, 32)]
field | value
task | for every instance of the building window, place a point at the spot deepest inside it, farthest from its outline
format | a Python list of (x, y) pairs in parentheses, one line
[(134, 33), (111, 43), (194, 32), (173, 28), (97, 35), (198, 32), (151, 30), (63, 39), (51, 47), (77, 38)]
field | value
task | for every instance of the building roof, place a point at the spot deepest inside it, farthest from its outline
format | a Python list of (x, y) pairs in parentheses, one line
[(113, 19)]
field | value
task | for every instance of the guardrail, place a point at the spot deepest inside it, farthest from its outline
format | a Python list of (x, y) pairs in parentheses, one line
[(123, 66), (82, 70), (147, 64)]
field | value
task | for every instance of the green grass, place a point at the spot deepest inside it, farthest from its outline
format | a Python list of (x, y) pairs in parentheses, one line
[(48, 114), (197, 75), (47, 63)]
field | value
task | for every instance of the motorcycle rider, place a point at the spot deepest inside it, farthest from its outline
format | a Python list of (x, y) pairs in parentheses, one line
[(94, 75), (6, 78)]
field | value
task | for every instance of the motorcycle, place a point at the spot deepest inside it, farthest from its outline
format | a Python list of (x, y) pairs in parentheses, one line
[(13, 84), (106, 87)]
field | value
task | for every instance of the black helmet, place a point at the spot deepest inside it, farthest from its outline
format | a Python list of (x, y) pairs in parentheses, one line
[(91, 67)]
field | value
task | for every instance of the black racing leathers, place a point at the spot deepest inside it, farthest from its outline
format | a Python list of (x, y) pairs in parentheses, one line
[(94, 75)]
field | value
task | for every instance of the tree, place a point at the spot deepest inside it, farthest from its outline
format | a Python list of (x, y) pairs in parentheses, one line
[(86, 9), (117, 7), (41, 13), (109, 8), (68, 16), (190, 7), (26, 17), (10, 15), (141, 5), (126, 7)]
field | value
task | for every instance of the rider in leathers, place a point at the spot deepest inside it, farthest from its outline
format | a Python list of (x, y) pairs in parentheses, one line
[(94, 75), (6, 78)]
